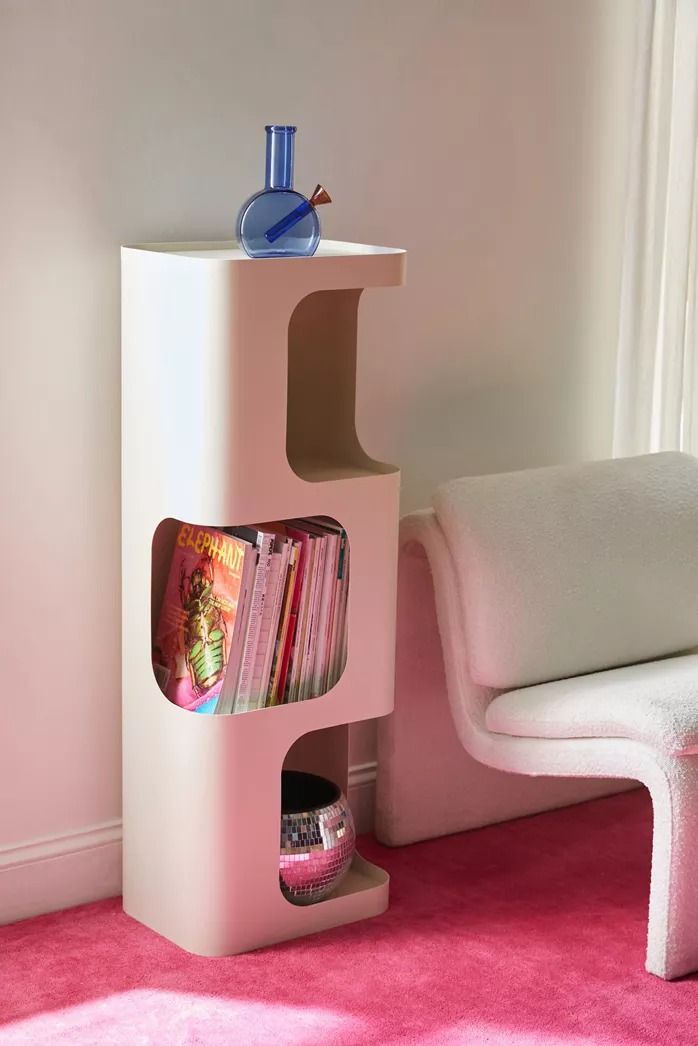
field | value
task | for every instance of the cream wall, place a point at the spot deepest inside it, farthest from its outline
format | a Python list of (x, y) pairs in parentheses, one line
[(486, 137)]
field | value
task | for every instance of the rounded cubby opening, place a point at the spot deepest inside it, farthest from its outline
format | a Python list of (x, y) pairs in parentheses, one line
[(248, 617), (321, 439), (318, 836)]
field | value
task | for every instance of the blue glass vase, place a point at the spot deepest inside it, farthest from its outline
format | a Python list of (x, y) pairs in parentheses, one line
[(279, 222)]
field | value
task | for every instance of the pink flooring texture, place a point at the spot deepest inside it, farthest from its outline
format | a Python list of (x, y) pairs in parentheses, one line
[(529, 933)]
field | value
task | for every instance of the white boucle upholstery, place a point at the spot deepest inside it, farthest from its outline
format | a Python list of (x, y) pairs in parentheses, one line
[(614, 572), (655, 702), (427, 785), (571, 569)]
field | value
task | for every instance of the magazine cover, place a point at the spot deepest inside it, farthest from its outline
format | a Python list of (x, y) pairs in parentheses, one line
[(197, 619)]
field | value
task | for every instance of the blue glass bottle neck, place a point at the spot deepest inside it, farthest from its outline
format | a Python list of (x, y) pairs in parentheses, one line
[(279, 165)]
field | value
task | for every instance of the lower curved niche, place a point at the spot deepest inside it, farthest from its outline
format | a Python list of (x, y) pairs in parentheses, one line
[(318, 835)]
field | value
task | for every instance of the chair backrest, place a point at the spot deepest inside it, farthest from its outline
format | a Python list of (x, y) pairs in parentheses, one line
[(573, 569)]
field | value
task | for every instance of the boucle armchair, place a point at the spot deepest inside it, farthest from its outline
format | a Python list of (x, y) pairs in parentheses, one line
[(567, 605)]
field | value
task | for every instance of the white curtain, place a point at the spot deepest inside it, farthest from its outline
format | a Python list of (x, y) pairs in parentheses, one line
[(656, 404)]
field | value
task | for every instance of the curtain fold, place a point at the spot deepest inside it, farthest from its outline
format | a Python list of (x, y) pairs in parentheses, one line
[(656, 405)]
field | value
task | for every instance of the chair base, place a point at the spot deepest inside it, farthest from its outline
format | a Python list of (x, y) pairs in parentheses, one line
[(672, 935), (428, 785)]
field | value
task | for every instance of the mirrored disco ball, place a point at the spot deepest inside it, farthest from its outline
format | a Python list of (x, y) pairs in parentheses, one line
[(317, 837)]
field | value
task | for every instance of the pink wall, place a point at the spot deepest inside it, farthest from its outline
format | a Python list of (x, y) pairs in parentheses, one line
[(488, 139)]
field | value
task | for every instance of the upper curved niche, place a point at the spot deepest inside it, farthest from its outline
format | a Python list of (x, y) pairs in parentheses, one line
[(321, 440)]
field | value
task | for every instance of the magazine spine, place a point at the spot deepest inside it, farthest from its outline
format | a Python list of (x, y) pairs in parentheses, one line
[(226, 699), (264, 543)]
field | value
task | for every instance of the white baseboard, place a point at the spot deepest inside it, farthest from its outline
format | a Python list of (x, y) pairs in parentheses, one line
[(60, 871)]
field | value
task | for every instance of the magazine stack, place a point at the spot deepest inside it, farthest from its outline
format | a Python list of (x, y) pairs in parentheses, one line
[(253, 616)]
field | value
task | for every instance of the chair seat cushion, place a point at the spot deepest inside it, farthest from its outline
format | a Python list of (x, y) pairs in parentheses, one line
[(655, 702)]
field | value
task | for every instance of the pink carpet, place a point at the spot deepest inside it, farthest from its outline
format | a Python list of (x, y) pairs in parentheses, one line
[(530, 933)]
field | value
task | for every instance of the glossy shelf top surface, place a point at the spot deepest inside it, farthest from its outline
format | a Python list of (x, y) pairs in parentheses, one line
[(228, 250)]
